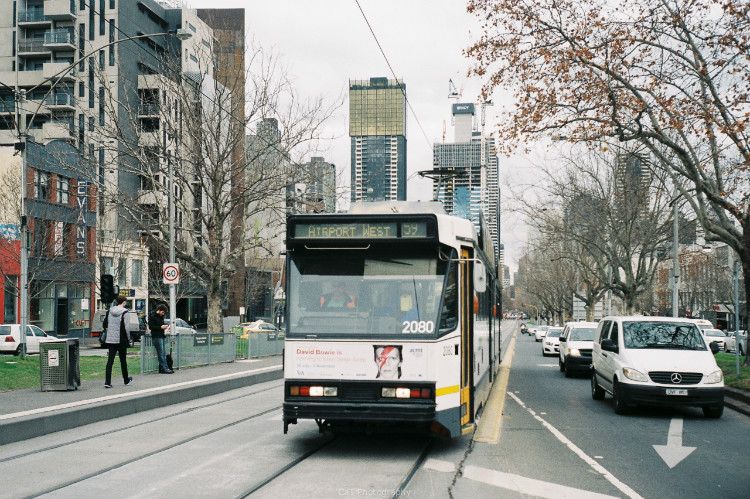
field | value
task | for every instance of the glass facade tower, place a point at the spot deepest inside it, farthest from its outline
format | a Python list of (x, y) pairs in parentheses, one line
[(377, 127)]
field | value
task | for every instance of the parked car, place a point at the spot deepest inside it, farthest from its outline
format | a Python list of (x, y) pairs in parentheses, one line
[(656, 361), (730, 342), (258, 327), (540, 332), (180, 327), (10, 338), (715, 335), (576, 343), (551, 342), (137, 325)]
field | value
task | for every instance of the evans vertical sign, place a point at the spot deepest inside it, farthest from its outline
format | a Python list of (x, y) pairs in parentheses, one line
[(82, 194)]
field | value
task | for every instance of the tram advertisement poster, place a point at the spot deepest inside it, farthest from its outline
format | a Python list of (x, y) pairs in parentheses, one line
[(382, 360)]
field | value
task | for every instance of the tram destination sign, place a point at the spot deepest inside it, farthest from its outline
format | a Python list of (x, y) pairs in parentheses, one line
[(360, 230)]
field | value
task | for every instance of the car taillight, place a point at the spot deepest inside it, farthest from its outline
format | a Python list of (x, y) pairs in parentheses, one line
[(313, 391), (10, 339), (405, 393)]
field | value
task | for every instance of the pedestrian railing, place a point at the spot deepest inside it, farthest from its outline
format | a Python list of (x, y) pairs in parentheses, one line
[(189, 350), (258, 344)]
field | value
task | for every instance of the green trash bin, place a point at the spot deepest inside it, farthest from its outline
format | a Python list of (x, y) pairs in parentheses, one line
[(59, 365)]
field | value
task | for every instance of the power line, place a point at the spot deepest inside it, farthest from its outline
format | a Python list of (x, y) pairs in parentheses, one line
[(394, 75)]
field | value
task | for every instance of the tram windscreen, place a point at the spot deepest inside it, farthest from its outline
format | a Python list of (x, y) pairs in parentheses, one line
[(357, 293)]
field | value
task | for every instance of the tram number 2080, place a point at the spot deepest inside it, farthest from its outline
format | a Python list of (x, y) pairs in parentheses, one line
[(418, 327)]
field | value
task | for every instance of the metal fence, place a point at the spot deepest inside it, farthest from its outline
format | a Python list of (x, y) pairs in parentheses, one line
[(258, 344), (190, 350)]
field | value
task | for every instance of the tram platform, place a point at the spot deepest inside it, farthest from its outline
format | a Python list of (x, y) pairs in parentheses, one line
[(31, 412)]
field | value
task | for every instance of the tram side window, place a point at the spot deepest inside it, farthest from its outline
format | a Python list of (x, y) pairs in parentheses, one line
[(449, 311)]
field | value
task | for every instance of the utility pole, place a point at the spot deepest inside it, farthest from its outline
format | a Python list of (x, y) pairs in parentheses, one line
[(676, 256)]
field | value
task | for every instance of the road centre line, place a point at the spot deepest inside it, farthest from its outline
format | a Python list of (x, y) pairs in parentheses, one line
[(107, 398), (590, 461)]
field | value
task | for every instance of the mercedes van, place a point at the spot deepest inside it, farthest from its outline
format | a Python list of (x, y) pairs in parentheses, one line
[(656, 361)]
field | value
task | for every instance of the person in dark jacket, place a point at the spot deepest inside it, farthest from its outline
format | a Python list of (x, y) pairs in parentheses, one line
[(117, 340), (157, 328)]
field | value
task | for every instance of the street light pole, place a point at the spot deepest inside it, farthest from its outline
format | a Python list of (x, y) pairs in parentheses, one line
[(737, 316), (676, 256)]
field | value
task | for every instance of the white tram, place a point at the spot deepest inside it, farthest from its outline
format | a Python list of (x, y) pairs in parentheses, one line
[(392, 316)]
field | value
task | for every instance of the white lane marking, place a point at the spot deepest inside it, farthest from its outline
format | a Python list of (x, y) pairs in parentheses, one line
[(132, 394), (438, 465), (528, 486), (547, 365), (674, 452), (596, 466)]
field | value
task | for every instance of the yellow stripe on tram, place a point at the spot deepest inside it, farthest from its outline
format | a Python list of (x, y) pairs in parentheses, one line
[(446, 390)]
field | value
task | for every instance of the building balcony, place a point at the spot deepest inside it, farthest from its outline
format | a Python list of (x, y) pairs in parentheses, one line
[(60, 10), (148, 109), (149, 139), (32, 47), (25, 78), (58, 129), (60, 40), (60, 102), (30, 18), (52, 71)]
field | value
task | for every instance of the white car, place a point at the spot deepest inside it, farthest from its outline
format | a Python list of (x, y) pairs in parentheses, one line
[(576, 344), (551, 342), (10, 338), (656, 361), (730, 342), (181, 327), (714, 335), (540, 332)]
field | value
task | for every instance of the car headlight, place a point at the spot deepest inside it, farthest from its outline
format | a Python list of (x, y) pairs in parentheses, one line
[(633, 374), (574, 352), (714, 377)]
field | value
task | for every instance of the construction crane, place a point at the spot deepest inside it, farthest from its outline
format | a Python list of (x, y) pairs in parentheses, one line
[(453, 92)]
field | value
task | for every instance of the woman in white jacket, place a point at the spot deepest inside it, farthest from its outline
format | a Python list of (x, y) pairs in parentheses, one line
[(118, 338)]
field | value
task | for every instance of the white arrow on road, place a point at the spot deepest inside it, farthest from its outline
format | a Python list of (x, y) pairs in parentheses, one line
[(674, 452)]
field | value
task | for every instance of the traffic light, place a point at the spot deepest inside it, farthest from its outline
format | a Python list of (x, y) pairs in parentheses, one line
[(107, 288)]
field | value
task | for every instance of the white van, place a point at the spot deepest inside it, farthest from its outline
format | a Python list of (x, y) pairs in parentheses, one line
[(656, 361), (576, 344)]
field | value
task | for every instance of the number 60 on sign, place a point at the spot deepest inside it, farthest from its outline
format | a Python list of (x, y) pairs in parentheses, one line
[(171, 273)]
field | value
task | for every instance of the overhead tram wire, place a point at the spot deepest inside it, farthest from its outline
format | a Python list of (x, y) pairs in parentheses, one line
[(429, 144)]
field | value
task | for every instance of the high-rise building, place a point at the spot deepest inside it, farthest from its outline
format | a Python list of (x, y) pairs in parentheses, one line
[(228, 26), (111, 102), (377, 127), (476, 190)]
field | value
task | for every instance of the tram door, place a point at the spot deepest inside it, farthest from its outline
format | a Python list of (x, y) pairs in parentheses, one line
[(467, 309)]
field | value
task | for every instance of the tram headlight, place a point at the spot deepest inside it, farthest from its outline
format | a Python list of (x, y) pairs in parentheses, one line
[(403, 393), (388, 392), (316, 391), (330, 391)]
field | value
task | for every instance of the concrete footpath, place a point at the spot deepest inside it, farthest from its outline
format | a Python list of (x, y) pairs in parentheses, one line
[(31, 412)]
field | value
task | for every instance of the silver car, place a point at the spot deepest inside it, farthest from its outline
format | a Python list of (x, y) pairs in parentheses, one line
[(714, 335), (181, 327), (730, 342)]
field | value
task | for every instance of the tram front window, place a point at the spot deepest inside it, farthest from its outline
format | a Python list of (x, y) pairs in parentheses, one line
[(360, 294)]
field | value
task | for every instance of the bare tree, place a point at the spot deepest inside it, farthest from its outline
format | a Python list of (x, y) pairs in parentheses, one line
[(671, 76), (187, 125)]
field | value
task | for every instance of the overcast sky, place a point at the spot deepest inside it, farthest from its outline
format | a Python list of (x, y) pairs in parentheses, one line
[(325, 43)]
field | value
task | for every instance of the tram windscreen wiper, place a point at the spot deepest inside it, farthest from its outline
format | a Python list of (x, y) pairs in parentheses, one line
[(389, 260)]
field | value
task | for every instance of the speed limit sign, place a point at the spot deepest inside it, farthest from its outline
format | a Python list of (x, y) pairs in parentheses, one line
[(171, 273)]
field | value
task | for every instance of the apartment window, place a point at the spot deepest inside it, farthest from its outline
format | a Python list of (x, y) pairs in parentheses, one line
[(111, 4), (111, 40), (91, 124), (81, 89), (41, 185), (101, 156), (40, 237), (101, 17), (81, 128), (122, 277), (92, 13), (136, 273), (101, 60), (101, 106), (81, 46), (82, 5), (106, 265), (63, 190), (91, 86)]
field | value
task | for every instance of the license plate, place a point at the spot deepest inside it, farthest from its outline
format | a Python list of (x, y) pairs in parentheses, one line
[(677, 391)]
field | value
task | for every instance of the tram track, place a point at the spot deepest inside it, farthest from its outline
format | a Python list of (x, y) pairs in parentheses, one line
[(148, 422)]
